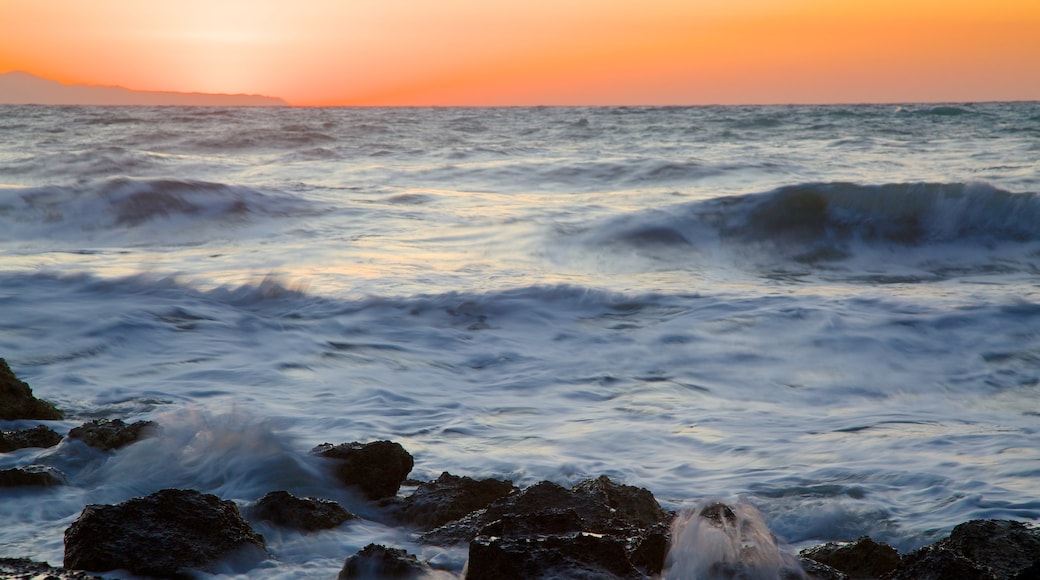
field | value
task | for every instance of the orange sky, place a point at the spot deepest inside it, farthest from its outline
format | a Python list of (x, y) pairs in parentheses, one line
[(548, 52)]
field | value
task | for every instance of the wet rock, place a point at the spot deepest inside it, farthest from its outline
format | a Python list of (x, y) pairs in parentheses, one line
[(819, 571), (574, 529), (38, 436), (165, 534), (18, 402), (990, 549), (31, 476), (26, 569), (375, 561), (936, 563), (576, 556), (309, 514), (451, 497), (377, 468), (863, 558), (632, 504), (106, 434), (1004, 546)]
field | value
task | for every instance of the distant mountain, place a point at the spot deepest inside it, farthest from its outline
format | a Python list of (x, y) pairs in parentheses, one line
[(22, 88)]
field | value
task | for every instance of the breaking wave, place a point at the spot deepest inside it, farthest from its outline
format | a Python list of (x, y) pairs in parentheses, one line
[(830, 221), (124, 204)]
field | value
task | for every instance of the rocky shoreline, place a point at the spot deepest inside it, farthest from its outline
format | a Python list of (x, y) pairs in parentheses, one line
[(598, 528)]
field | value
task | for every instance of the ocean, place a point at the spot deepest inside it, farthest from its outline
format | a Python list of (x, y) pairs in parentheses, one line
[(830, 313)]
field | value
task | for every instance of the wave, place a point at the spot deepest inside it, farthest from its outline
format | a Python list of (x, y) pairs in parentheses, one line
[(123, 203), (815, 222)]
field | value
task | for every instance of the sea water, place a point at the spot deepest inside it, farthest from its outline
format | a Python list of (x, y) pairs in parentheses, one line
[(829, 314)]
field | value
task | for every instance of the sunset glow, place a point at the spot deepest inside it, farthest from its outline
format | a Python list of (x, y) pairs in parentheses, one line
[(464, 52)]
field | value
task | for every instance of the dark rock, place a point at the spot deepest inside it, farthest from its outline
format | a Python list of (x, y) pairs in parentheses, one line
[(990, 549), (18, 402), (309, 514), (863, 558), (164, 534), (31, 475), (378, 468), (375, 561), (576, 532), (450, 497), (26, 569), (38, 436), (547, 502), (575, 556), (632, 504), (111, 434), (936, 563), (1004, 546), (819, 571)]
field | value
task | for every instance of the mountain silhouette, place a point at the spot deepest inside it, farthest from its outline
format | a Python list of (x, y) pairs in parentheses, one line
[(22, 88)]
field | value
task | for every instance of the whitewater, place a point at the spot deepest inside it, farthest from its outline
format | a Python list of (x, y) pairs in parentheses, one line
[(829, 313)]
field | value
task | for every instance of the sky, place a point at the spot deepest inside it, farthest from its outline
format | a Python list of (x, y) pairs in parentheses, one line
[(537, 52)]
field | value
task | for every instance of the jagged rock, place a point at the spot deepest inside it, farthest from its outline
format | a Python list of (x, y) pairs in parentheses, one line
[(863, 558), (106, 434), (375, 561), (38, 436), (450, 497), (378, 468), (989, 549), (18, 402), (630, 503), (936, 563), (309, 514), (164, 535), (819, 571), (562, 520), (26, 569), (31, 475), (1004, 546), (576, 555)]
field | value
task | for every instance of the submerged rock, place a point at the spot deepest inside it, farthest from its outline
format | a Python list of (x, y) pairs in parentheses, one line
[(31, 476), (108, 434), (451, 497), (26, 569), (18, 402), (377, 468), (863, 558), (308, 514), (375, 561), (164, 534), (38, 436), (598, 528)]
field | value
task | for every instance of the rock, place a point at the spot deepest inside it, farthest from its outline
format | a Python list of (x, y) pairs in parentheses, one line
[(576, 531), (574, 556), (26, 569), (1004, 546), (450, 497), (38, 436), (819, 571), (863, 558), (632, 504), (378, 468), (936, 563), (111, 434), (18, 402), (309, 514), (164, 535), (989, 549), (31, 475), (375, 561)]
